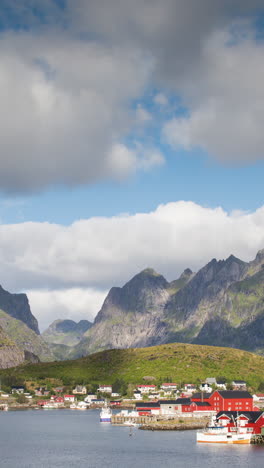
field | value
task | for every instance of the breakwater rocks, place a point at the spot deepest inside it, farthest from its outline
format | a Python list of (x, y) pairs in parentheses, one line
[(176, 426)]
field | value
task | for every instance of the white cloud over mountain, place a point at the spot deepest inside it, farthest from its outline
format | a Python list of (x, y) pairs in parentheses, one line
[(90, 256)]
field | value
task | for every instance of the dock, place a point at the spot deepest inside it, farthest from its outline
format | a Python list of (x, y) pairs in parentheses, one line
[(257, 439)]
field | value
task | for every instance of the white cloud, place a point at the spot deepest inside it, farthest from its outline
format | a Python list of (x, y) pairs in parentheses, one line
[(99, 253), (225, 102), (74, 304), (67, 93), (64, 109)]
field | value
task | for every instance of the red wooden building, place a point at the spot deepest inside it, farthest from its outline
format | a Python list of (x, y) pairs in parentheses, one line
[(230, 400), (247, 421)]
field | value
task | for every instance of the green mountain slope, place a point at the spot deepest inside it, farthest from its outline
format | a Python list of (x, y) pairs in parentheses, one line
[(24, 337), (17, 306), (10, 354), (178, 362)]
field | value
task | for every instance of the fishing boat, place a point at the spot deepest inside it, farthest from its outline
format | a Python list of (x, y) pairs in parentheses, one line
[(217, 434), (105, 414), (4, 407)]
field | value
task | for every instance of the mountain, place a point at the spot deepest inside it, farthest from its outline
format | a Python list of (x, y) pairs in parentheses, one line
[(222, 304), (17, 306), (10, 354), (26, 340), (66, 332), (132, 315)]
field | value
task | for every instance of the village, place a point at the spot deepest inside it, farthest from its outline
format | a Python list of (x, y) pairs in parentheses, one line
[(168, 406)]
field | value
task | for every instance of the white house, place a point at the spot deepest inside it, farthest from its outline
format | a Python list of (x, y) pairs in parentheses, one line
[(137, 396), (144, 388), (205, 387), (80, 390), (90, 397), (221, 384), (259, 397), (239, 385), (105, 389), (70, 398), (169, 387), (190, 388)]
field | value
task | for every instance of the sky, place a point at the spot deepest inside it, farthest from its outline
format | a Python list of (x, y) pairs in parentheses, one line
[(131, 136)]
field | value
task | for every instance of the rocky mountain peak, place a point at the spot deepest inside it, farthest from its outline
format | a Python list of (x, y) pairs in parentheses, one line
[(17, 306), (206, 285), (186, 273), (260, 255), (145, 292)]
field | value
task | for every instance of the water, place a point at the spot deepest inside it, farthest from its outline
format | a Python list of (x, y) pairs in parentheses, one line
[(65, 438)]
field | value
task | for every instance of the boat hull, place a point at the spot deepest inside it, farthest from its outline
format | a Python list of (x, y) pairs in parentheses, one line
[(228, 438), (108, 420)]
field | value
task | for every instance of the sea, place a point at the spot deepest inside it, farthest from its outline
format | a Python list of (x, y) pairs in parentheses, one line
[(68, 438)]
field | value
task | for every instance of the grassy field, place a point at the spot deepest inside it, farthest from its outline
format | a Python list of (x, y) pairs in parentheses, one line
[(176, 362)]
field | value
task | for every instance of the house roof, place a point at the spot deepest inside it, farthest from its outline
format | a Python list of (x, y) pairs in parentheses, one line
[(234, 394), (150, 404), (144, 385), (183, 401), (201, 395), (252, 416), (168, 384), (239, 382), (210, 380), (201, 403), (168, 402)]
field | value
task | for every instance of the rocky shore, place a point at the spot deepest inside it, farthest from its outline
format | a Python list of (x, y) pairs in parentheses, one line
[(174, 425)]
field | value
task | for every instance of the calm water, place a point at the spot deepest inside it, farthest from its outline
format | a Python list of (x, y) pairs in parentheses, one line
[(64, 438)]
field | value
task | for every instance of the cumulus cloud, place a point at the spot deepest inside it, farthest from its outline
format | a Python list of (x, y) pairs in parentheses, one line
[(69, 76), (74, 304), (225, 101), (92, 255), (64, 110)]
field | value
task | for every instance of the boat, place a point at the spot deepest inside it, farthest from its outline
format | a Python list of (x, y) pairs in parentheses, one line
[(217, 434), (4, 407), (50, 406), (105, 414)]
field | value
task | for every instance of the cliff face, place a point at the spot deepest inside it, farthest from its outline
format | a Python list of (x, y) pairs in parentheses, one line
[(17, 306), (25, 338), (222, 304), (131, 316), (10, 355)]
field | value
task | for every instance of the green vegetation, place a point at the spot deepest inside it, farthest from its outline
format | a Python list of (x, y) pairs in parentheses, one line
[(24, 337), (177, 361)]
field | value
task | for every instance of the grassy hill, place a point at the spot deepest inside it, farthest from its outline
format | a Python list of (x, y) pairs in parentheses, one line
[(178, 362)]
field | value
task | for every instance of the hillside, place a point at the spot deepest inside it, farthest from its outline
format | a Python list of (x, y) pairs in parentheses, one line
[(177, 362), (17, 306), (24, 337), (10, 355)]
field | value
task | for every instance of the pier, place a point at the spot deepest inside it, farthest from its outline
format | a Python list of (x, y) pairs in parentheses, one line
[(257, 439)]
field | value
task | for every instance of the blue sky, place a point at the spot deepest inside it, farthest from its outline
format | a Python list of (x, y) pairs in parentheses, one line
[(125, 128)]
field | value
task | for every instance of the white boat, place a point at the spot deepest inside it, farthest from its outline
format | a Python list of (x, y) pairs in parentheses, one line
[(81, 406), (105, 414), (4, 407), (50, 406), (217, 434)]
